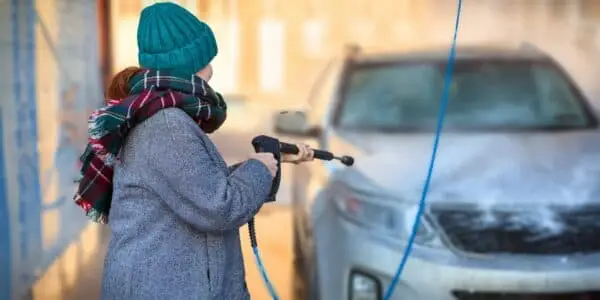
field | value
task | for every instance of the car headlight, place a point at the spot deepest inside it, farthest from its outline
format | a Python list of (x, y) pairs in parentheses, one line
[(388, 216), (363, 287)]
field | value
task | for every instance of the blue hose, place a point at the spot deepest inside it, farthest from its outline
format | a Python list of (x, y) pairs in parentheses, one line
[(263, 273), (259, 262), (442, 114)]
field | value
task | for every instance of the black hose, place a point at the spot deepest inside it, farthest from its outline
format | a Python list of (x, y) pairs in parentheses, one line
[(259, 262), (252, 233)]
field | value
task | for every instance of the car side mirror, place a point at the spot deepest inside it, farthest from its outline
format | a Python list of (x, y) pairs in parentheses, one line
[(294, 124)]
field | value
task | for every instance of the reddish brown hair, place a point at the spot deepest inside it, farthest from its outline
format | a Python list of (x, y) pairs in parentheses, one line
[(118, 88)]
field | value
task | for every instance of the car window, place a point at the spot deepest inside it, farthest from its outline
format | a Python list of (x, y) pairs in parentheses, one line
[(483, 95)]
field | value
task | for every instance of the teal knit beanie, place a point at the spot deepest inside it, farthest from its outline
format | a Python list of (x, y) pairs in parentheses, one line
[(171, 38)]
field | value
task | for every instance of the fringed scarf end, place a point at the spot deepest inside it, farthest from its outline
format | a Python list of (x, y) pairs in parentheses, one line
[(95, 215)]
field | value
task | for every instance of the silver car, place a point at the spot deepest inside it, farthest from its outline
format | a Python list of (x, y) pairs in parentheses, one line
[(513, 210)]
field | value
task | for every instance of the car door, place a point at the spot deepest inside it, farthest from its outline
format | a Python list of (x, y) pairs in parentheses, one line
[(310, 178)]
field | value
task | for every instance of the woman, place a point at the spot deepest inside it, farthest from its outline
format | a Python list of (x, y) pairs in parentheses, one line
[(175, 207)]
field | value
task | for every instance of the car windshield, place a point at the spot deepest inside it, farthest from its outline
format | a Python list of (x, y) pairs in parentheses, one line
[(484, 95)]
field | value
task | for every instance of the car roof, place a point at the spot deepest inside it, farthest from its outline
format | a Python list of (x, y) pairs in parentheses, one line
[(482, 52)]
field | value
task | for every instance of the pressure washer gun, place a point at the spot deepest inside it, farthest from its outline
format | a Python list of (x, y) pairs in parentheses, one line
[(263, 143)]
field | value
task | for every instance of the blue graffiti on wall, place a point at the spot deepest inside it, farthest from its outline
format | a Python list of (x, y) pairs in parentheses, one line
[(80, 90), (5, 258), (25, 136), (72, 135), (71, 53)]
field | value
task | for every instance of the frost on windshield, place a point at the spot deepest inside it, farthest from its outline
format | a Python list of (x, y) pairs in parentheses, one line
[(483, 95)]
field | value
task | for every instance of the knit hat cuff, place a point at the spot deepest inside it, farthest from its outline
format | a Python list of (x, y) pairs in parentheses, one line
[(186, 60)]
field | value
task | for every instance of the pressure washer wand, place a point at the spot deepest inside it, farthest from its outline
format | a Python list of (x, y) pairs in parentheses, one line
[(318, 154)]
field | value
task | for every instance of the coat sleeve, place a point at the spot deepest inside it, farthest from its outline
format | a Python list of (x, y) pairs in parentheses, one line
[(209, 197), (232, 168)]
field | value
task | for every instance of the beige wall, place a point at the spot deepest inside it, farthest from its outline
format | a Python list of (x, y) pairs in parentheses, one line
[(69, 269), (56, 88), (314, 31), (248, 63), (48, 102)]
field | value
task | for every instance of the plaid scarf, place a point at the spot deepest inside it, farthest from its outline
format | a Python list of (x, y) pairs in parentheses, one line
[(151, 91)]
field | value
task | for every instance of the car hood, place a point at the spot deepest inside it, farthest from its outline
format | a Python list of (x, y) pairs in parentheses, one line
[(558, 168)]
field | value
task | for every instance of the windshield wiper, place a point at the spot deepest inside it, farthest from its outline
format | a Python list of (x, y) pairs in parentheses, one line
[(566, 118)]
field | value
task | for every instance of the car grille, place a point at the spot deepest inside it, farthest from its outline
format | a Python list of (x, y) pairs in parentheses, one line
[(465, 295), (539, 232)]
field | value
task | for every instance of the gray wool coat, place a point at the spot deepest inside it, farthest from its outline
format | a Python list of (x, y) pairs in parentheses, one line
[(176, 213)]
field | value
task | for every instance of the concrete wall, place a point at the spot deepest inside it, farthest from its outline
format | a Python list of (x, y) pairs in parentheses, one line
[(51, 80)]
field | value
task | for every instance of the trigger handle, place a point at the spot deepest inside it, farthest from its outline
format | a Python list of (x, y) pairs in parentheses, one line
[(263, 143)]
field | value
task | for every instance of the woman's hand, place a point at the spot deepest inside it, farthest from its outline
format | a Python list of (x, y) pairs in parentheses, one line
[(304, 154), (268, 160)]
